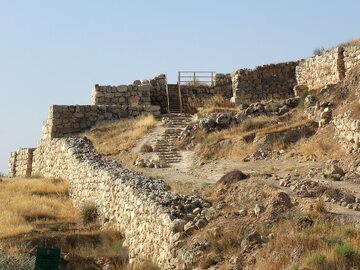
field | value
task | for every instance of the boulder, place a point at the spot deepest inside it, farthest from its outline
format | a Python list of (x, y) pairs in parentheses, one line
[(224, 119), (232, 177)]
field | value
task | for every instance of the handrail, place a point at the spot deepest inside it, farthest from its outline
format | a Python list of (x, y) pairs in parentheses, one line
[(194, 77), (167, 94), (179, 89)]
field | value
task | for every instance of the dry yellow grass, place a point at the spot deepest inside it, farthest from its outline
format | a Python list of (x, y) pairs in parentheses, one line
[(24, 201), (116, 139), (323, 145), (215, 104)]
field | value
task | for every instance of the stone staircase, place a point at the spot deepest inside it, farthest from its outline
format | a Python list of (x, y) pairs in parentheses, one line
[(165, 146), (174, 98)]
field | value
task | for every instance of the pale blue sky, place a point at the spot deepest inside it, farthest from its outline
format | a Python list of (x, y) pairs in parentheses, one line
[(53, 52)]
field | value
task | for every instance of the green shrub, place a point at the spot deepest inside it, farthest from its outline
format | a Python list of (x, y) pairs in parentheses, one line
[(88, 213), (345, 251), (318, 260), (302, 99), (334, 240)]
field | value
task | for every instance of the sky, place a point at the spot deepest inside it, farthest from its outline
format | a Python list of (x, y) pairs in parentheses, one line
[(54, 52)]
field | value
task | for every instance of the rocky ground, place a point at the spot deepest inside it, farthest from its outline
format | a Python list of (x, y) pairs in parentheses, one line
[(280, 184)]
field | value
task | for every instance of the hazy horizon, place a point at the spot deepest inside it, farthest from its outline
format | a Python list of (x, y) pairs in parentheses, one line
[(53, 53)]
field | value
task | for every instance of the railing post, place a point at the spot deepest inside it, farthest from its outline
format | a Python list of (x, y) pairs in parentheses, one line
[(167, 94)]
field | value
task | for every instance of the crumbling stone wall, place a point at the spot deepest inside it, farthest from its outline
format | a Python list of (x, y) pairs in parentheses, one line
[(65, 121), (151, 217), (274, 81), (147, 92), (21, 162), (351, 56), (318, 71)]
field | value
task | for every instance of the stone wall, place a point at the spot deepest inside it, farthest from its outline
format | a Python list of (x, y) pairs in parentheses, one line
[(347, 128), (274, 81), (222, 86), (351, 56), (147, 92), (318, 71), (20, 164), (151, 217), (64, 121)]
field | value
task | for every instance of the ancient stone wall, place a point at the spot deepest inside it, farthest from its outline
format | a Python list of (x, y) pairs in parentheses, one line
[(147, 92), (64, 121), (222, 86), (347, 128), (20, 164), (274, 81), (318, 71), (151, 217), (351, 56)]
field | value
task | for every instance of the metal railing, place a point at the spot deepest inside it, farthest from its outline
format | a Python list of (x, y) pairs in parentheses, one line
[(196, 78)]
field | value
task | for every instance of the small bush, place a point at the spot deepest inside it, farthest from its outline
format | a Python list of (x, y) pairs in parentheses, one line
[(345, 251), (318, 260), (320, 206), (145, 148), (302, 99), (319, 51), (88, 213)]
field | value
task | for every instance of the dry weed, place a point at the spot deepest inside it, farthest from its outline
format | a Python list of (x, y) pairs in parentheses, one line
[(26, 200), (116, 139)]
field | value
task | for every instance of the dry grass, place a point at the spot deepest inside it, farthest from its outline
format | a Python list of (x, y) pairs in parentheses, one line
[(353, 107), (215, 104), (323, 145), (116, 139), (325, 245), (23, 201)]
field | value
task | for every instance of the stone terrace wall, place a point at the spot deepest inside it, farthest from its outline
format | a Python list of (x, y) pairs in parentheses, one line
[(65, 121), (351, 56), (147, 92), (21, 162), (318, 71), (274, 81), (151, 217)]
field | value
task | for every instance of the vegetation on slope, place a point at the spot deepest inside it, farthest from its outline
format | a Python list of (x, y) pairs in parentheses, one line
[(117, 139), (24, 202)]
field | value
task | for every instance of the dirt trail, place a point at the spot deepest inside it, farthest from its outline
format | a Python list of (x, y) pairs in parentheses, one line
[(192, 171)]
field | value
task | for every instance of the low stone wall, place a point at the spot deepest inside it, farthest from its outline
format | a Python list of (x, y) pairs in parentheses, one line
[(347, 128), (147, 92), (351, 56), (65, 121), (151, 217), (20, 164), (318, 71), (275, 81)]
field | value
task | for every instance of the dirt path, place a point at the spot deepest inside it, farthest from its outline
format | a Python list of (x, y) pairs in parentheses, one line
[(193, 172)]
